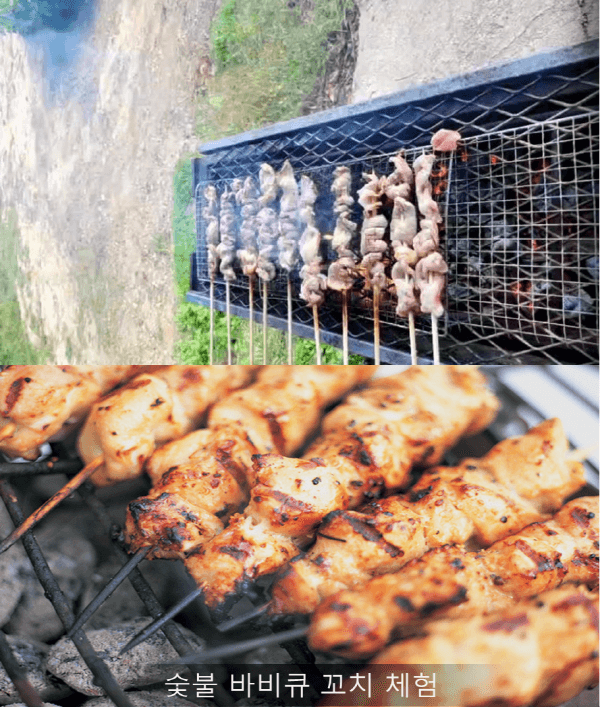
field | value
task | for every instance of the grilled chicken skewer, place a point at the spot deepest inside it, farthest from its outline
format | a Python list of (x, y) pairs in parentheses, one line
[(267, 239), (341, 272), (368, 444), (41, 404), (541, 651), (248, 255), (209, 471), (403, 229), (373, 246), (289, 235), (314, 283), (480, 501), (210, 214), (226, 250), (126, 426), (451, 582)]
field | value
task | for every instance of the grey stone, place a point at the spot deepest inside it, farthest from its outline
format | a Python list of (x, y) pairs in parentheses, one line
[(30, 655), (14, 572), (149, 698), (144, 665)]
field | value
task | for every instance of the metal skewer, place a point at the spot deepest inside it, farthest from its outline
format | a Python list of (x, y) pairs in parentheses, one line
[(228, 318), (211, 335), (413, 338), (376, 344)]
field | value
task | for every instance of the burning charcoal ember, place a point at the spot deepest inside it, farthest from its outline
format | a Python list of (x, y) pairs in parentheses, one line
[(247, 196), (289, 220), (30, 655), (210, 214), (226, 248), (267, 224), (153, 698), (143, 665), (577, 303)]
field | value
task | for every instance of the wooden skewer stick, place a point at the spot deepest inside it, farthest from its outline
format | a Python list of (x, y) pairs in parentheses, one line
[(44, 509), (345, 327), (265, 294), (251, 298), (315, 310), (413, 338), (289, 304), (376, 324), (211, 336), (434, 334), (228, 317), (7, 430)]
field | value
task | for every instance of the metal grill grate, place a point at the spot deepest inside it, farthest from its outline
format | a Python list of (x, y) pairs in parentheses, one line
[(519, 200)]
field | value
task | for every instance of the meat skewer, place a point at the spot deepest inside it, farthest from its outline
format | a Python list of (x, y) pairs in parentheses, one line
[(341, 272), (41, 404), (267, 239), (208, 472), (431, 267), (480, 501), (226, 251), (289, 234), (373, 246), (403, 229), (540, 651), (314, 282), (450, 582), (359, 460), (247, 196), (210, 214)]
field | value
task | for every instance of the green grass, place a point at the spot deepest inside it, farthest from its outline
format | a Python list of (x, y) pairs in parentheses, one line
[(15, 347), (267, 59)]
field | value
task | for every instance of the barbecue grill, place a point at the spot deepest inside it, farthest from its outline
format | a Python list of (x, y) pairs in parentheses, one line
[(528, 395), (519, 201)]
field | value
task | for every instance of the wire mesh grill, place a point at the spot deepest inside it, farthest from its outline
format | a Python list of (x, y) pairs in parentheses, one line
[(518, 413), (519, 201)]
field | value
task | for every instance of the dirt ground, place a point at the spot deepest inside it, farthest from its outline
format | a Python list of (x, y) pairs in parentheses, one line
[(91, 180)]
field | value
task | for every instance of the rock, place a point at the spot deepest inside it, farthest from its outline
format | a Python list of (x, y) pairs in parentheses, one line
[(30, 655), (15, 570), (140, 666), (153, 698), (71, 559)]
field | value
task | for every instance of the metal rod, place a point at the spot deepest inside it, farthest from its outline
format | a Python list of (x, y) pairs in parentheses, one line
[(436, 340), (251, 296), (156, 625), (211, 335), (289, 313), (345, 327), (228, 317), (241, 647), (315, 310), (15, 672), (49, 466), (376, 324), (51, 503), (413, 338), (54, 593), (238, 620), (106, 591), (265, 317)]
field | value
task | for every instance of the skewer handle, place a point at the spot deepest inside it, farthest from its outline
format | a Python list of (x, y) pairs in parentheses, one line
[(289, 308), (376, 337), (436, 341), (317, 333), (211, 335), (228, 306), (413, 338), (345, 327), (265, 294), (251, 298)]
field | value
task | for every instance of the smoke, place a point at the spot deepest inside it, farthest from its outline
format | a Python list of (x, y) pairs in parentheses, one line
[(57, 33)]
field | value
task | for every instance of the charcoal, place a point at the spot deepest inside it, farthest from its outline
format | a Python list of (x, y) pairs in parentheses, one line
[(578, 302), (149, 698), (71, 559), (30, 655), (593, 267), (143, 665)]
